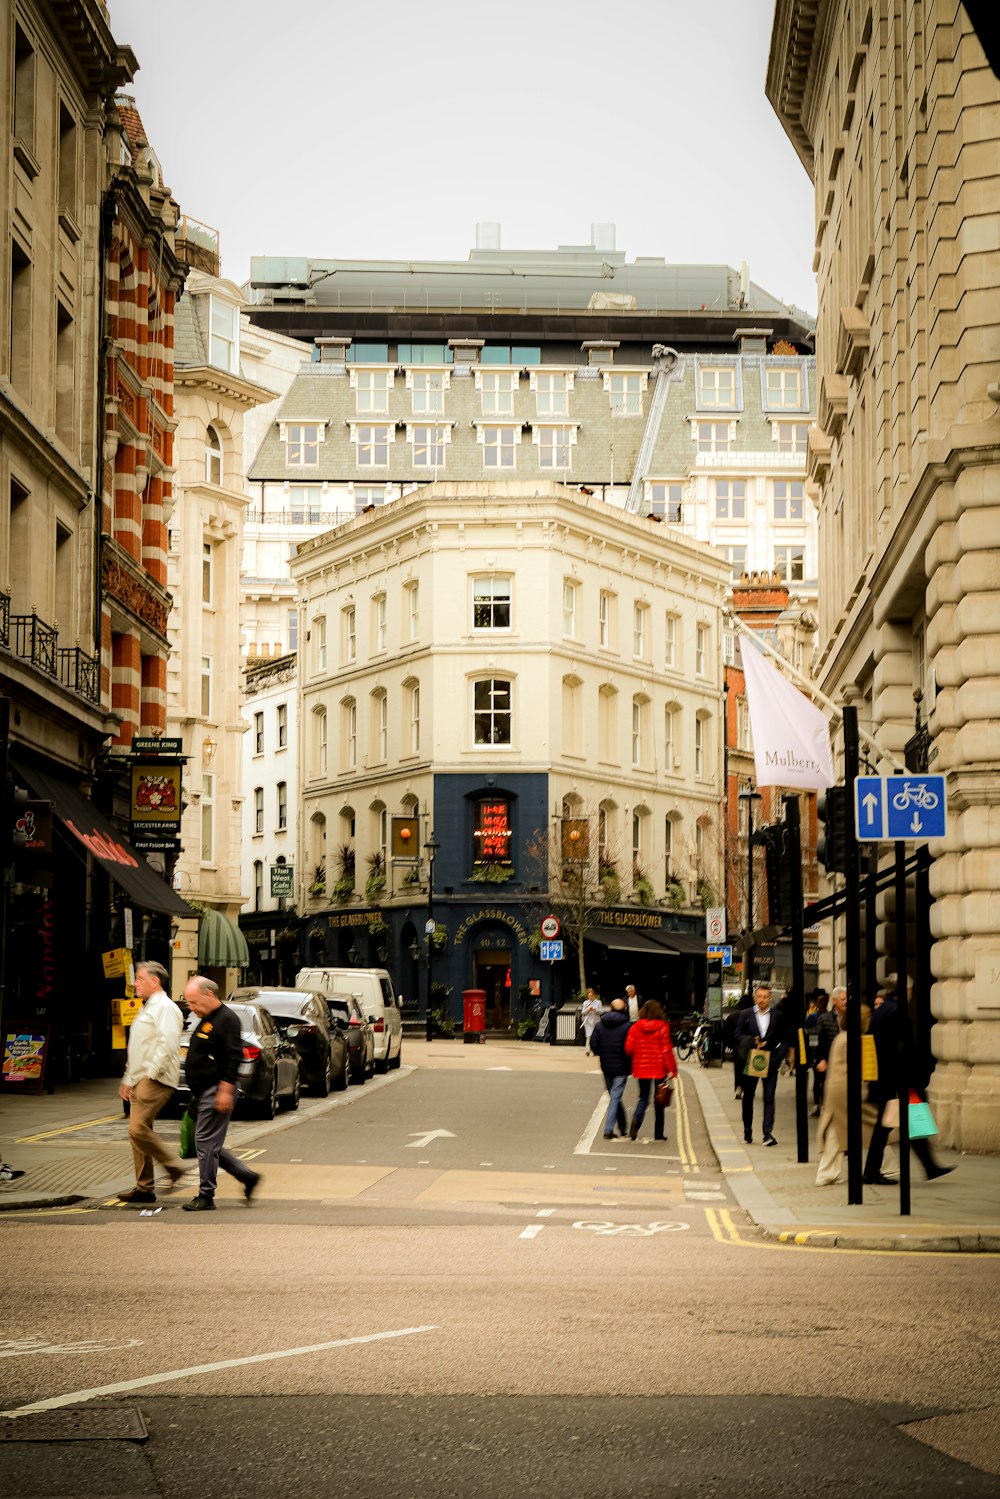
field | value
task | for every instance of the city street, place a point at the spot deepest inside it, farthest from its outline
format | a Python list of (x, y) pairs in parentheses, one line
[(449, 1281)]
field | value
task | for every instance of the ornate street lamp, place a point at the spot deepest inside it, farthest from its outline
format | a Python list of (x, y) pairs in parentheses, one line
[(431, 847)]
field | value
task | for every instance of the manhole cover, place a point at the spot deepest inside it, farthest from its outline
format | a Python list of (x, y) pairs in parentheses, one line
[(77, 1423)]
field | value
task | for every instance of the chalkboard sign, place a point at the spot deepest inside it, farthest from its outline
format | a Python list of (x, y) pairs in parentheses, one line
[(25, 1057)]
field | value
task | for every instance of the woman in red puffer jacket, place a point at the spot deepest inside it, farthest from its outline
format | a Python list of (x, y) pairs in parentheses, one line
[(648, 1044)]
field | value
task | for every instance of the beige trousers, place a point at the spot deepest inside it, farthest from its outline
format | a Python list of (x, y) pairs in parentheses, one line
[(148, 1098)]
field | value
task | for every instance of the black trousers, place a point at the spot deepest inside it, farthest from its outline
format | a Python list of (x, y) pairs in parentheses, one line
[(876, 1150), (768, 1084)]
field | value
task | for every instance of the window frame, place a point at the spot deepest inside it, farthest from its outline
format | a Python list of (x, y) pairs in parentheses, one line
[(281, 722), (208, 818), (302, 443), (372, 390), (493, 601), (281, 806), (711, 379), (499, 442), (494, 718), (571, 599), (793, 506), (789, 381), (213, 456), (258, 810), (725, 507), (227, 340), (369, 449), (258, 732), (497, 389)]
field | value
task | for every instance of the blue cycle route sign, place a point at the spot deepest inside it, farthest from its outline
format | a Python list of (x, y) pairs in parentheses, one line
[(552, 952), (889, 809)]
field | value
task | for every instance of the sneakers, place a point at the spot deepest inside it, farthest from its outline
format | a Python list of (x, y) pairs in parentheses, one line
[(200, 1204), (251, 1187), (135, 1195), (770, 1140), (8, 1174)]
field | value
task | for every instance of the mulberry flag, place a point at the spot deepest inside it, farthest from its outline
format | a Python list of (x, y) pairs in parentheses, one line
[(791, 742)]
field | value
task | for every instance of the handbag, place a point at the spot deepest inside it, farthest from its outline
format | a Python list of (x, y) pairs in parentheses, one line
[(869, 1060), (758, 1063), (187, 1147), (664, 1093), (920, 1119)]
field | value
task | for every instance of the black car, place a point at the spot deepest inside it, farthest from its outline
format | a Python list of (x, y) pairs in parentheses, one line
[(302, 1019), (269, 1072), (347, 1017)]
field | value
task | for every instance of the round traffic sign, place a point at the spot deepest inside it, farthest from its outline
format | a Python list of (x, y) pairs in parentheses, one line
[(716, 927), (551, 927)]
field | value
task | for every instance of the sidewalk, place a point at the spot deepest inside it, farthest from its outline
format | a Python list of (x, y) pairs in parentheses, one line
[(960, 1212)]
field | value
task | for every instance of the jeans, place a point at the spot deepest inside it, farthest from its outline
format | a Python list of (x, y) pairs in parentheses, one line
[(209, 1136), (659, 1112), (616, 1112)]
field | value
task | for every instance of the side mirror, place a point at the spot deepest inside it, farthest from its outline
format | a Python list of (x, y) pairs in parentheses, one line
[(292, 1031)]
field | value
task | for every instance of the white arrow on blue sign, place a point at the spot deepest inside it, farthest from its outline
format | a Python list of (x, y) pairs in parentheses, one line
[(552, 952), (906, 809)]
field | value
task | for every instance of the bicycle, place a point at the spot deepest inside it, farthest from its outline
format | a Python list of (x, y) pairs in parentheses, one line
[(703, 1043), (684, 1040)]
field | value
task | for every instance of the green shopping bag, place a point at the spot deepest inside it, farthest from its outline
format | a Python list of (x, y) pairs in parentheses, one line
[(187, 1149), (920, 1119)]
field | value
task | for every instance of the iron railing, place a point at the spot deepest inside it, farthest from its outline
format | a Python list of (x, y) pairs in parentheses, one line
[(35, 641), (80, 672), (5, 619)]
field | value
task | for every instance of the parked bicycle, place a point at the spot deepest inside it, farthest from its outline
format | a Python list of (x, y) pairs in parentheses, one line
[(703, 1043), (684, 1039)]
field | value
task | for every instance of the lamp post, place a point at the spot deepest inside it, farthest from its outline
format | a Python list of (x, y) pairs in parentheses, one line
[(431, 847), (749, 796)]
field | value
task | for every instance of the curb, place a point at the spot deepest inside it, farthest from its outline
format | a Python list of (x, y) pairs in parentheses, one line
[(21, 1204)]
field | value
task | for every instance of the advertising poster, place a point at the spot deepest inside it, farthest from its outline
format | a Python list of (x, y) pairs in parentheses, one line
[(25, 1054)]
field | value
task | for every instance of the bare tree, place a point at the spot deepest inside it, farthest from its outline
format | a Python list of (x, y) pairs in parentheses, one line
[(579, 880)]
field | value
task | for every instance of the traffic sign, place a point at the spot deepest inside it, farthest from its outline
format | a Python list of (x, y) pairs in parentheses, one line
[(550, 926), (715, 924), (725, 953), (552, 952), (907, 809)]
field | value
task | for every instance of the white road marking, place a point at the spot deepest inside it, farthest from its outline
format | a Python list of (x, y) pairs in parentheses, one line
[(586, 1140), (418, 1140), (545, 1212), (499, 1069), (230, 1363), (16, 1347), (635, 1229), (704, 1196), (532, 1231)]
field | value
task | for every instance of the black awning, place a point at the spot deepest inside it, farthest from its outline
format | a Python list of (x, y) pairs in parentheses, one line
[(623, 939), (680, 944), (110, 848)]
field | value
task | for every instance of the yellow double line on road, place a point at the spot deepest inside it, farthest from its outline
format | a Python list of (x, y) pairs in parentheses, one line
[(67, 1129), (684, 1145)]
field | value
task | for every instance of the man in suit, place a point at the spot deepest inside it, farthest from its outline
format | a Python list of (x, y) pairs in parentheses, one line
[(761, 1028)]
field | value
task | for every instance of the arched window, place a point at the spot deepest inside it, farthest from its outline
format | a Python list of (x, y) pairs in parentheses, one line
[(213, 457), (258, 884)]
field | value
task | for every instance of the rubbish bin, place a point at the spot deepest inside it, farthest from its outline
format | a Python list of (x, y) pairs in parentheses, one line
[(473, 1014), (567, 1024)]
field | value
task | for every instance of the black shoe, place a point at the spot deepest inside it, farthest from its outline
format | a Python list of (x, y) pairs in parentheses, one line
[(747, 1137), (8, 1174), (937, 1171), (609, 1137), (200, 1204), (738, 1093), (770, 1140), (879, 1181), (251, 1187), (659, 1137), (633, 1129), (815, 1112), (136, 1196)]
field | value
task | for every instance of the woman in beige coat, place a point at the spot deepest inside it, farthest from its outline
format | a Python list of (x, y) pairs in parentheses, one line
[(831, 1132)]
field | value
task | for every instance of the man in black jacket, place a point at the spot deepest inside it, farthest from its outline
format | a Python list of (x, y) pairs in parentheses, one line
[(608, 1045), (212, 1070), (760, 1029)]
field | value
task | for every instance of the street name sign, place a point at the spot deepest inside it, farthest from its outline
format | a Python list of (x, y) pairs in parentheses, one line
[(552, 952), (905, 809)]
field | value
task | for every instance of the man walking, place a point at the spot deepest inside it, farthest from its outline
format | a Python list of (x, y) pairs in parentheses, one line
[(633, 1001), (608, 1045), (760, 1029), (212, 1070), (152, 1073)]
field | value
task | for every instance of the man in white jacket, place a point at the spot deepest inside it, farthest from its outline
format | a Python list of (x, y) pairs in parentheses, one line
[(152, 1073)]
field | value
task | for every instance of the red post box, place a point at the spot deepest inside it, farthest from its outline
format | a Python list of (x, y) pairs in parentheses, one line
[(473, 1013)]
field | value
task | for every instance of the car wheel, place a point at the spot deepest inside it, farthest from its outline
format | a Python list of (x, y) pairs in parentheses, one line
[(269, 1105), (323, 1081), (359, 1072), (340, 1081), (292, 1101), (382, 1065), (398, 1058)]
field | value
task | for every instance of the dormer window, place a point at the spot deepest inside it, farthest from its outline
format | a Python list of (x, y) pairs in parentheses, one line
[(224, 344), (302, 440)]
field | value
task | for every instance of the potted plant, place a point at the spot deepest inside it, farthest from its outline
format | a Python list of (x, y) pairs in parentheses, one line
[(642, 887), (492, 874), (343, 885), (317, 885), (705, 891), (375, 881), (611, 886), (676, 895)]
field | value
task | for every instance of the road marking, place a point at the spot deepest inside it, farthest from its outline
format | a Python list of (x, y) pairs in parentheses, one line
[(638, 1230), (532, 1231), (545, 1212), (231, 1363), (499, 1069), (586, 1140), (18, 1347), (68, 1129), (418, 1140)]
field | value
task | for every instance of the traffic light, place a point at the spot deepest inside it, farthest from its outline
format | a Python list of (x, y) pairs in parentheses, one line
[(783, 883), (831, 844)]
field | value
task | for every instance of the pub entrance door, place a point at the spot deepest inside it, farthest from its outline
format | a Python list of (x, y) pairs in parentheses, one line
[(492, 975)]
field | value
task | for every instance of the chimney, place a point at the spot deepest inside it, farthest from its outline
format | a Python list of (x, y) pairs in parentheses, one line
[(487, 236), (602, 236)]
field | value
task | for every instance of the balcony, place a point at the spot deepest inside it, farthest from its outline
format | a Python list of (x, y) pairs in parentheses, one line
[(302, 516), (30, 638)]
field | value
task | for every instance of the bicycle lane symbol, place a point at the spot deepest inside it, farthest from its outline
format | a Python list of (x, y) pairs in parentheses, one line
[(634, 1230)]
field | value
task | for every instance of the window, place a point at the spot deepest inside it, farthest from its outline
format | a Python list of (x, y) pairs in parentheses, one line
[(373, 387), (350, 722), (498, 446), (24, 97), (349, 632), (570, 592), (428, 446), (492, 833), (607, 724), (605, 620), (491, 711), (428, 392), (368, 354), (713, 437), (304, 501), (258, 884), (551, 395), (554, 446), (511, 354), (206, 686), (282, 720), (701, 650), (258, 733), (319, 629), (303, 440), (225, 336), (717, 387), (378, 622), (258, 809), (790, 562), (491, 603), (603, 831), (293, 629), (366, 495), (373, 446), (626, 394), (668, 850), (19, 349), (792, 437), (640, 629), (730, 499), (637, 821), (206, 572), (68, 175), (784, 387), (414, 717), (207, 819), (413, 609), (572, 732), (424, 354), (665, 501), (737, 559), (671, 655), (497, 392), (282, 804), (65, 375), (320, 740), (788, 499), (671, 738), (639, 713), (380, 725), (742, 723), (213, 457), (700, 744)]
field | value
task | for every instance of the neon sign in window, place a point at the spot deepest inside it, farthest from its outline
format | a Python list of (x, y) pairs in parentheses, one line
[(493, 833)]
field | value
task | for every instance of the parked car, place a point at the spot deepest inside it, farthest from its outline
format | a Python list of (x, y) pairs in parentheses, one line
[(269, 1072), (347, 1015), (373, 987), (302, 1018)]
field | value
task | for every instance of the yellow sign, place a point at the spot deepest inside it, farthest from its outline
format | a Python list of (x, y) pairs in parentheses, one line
[(124, 1011), (119, 1039), (114, 962)]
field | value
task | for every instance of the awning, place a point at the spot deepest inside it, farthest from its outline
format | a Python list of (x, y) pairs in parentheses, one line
[(623, 939), (221, 944), (100, 838), (680, 944)]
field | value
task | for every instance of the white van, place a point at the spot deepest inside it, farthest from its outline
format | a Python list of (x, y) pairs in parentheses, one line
[(373, 986)]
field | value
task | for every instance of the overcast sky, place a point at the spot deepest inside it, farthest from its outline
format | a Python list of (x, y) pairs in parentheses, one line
[(384, 129)]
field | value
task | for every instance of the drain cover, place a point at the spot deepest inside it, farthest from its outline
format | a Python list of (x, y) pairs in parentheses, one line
[(77, 1423)]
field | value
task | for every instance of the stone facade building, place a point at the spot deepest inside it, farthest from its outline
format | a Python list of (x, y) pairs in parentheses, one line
[(895, 113)]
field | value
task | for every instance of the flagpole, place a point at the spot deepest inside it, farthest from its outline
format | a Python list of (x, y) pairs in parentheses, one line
[(810, 687)]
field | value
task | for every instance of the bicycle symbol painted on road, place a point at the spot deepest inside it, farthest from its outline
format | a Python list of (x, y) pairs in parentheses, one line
[(637, 1230), (915, 795)]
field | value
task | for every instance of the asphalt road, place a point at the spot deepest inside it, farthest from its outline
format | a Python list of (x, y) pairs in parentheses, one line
[(451, 1283)]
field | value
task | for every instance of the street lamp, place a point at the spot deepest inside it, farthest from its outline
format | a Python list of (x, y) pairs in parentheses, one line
[(431, 847), (749, 796)]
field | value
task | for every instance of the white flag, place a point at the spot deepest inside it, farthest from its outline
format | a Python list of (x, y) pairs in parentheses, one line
[(791, 741)]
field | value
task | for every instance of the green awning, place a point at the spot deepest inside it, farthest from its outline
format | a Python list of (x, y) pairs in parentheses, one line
[(221, 944)]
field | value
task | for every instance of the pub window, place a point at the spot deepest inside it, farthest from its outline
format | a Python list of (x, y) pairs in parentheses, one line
[(492, 834)]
